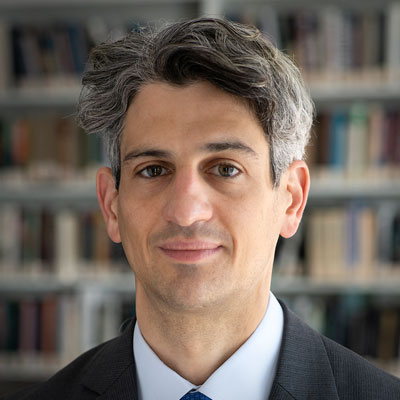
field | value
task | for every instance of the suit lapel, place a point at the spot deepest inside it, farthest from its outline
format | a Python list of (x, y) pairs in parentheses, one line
[(304, 370), (279, 393), (112, 374), (124, 388)]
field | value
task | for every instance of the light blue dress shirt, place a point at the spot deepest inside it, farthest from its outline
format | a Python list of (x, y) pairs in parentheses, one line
[(247, 374)]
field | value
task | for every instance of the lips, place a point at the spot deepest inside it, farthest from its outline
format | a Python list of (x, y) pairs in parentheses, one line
[(190, 251)]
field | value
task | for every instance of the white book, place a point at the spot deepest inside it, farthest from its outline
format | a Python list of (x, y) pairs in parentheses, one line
[(331, 19), (357, 146), (69, 343), (368, 243), (393, 41), (66, 244)]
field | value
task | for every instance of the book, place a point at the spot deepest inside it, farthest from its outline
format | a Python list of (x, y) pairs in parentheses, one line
[(361, 143), (66, 226), (357, 242), (375, 141), (5, 56), (333, 43), (49, 325), (10, 239), (29, 329), (48, 147), (12, 326), (337, 146), (31, 228), (388, 342), (392, 41), (356, 141), (69, 328)]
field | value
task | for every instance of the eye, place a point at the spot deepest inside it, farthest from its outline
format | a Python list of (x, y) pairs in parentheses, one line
[(225, 170), (153, 171)]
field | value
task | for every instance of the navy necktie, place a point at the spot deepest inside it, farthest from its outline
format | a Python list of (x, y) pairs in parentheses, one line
[(194, 396)]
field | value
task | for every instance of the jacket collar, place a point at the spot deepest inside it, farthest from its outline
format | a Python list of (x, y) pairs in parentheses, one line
[(304, 370), (112, 373)]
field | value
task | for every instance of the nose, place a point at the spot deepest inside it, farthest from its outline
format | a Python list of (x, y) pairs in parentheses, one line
[(188, 199)]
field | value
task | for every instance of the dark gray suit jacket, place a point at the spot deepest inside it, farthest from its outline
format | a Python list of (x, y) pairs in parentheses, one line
[(310, 367)]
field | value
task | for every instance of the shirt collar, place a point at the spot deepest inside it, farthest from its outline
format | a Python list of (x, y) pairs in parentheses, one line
[(248, 373)]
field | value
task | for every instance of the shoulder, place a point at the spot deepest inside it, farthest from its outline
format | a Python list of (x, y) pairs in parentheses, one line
[(96, 368), (356, 376), (313, 366), (65, 382)]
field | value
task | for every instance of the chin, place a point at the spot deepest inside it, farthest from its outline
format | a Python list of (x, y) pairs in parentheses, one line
[(195, 298)]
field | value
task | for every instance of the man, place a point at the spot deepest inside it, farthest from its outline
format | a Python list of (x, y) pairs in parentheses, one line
[(206, 124)]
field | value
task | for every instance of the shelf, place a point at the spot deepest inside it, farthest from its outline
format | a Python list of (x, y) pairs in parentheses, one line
[(84, 3), (33, 284), (43, 283), (115, 12), (308, 3), (50, 194), (221, 3), (39, 99), (298, 285), (36, 369), (83, 193), (14, 99), (340, 190), (123, 284), (346, 92)]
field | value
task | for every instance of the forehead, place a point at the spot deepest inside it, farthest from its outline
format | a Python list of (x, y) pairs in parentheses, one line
[(185, 116)]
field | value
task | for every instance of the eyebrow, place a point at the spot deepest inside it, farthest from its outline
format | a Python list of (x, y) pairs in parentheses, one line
[(147, 153), (213, 147), (232, 145)]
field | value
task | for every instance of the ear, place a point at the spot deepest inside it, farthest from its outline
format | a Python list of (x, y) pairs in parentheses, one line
[(296, 188), (107, 195)]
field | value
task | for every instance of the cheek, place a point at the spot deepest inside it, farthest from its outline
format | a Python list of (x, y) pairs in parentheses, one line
[(132, 227), (257, 229)]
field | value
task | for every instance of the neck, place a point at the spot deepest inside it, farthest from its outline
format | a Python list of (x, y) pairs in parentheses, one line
[(194, 343)]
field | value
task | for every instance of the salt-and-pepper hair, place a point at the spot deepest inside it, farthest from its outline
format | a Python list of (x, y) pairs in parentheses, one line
[(234, 57)]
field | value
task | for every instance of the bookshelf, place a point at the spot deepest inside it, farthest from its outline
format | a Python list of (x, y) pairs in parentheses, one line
[(90, 285)]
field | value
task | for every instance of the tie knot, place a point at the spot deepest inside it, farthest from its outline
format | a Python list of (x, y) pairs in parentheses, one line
[(193, 395)]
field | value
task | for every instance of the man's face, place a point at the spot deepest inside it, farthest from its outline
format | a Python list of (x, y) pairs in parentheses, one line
[(196, 211)]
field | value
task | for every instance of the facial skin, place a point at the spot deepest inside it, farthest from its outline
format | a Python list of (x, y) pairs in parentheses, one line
[(198, 217)]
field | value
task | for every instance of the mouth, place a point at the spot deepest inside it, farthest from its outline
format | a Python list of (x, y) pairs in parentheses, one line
[(190, 252)]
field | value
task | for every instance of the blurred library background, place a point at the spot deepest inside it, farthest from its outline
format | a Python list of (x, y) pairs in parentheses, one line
[(64, 287)]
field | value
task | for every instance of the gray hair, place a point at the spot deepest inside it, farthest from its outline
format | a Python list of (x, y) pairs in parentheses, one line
[(234, 57)]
